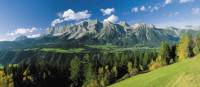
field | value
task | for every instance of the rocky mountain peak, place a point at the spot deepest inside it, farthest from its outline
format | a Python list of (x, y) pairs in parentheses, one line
[(123, 23), (21, 38), (143, 26)]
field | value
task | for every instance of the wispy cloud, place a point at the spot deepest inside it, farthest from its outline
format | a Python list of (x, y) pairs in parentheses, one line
[(71, 15), (185, 1), (29, 32), (168, 2), (174, 14), (138, 9), (107, 11), (155, 8), (196, 11), (147, 8), (135, 10), (180, 1), (23, 31), (143, 8)]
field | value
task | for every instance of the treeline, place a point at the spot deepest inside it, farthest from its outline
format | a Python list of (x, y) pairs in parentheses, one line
[(95, 69), (98, 68), (187, 47)]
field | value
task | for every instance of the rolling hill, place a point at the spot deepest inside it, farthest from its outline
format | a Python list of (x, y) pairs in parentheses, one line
[(182, 74)]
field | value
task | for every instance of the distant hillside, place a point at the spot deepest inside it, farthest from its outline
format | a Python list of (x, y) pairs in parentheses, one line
[(182, 74)]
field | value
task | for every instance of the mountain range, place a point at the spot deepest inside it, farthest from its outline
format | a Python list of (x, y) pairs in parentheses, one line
[(91, 32)]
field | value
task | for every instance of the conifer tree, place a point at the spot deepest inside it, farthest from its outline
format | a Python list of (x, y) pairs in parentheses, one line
[(75, 69), (164, 53)]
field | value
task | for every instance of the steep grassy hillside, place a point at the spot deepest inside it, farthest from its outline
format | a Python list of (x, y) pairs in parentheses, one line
[(182, 74)]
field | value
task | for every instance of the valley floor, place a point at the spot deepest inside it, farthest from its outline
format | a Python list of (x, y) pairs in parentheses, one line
[(182, 74)]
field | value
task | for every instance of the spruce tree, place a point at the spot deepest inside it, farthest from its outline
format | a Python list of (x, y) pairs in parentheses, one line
[(74, 70)]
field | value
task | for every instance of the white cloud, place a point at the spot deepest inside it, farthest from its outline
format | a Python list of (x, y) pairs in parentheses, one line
[(196, 11), (34, 36), (60, 14), (112, 19), (185, 1), (4, 38), (135, 9), (149, 7), (174, 14), (168, 2), (155, 8), (23, 31), (180, 1), (107, 11), (139, 9), (56, 21), (71, 15), (142, 8), (29, 32)]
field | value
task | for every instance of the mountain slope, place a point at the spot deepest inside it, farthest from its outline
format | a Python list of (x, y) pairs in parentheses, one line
[(95, 32), (182, 74)]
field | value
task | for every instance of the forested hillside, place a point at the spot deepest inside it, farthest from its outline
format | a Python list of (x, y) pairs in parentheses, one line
[(185, 73), (99, 43), (99, 68), (182, 74)]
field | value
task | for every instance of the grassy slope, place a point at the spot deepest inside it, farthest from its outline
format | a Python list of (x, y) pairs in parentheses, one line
[(182, 74)]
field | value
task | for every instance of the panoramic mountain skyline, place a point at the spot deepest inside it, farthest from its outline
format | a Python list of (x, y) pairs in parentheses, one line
[(99, 43), (33, 17)]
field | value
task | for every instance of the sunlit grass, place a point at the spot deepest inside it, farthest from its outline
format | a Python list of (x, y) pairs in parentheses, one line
[(182, 74), (60, 50), (114, 48)]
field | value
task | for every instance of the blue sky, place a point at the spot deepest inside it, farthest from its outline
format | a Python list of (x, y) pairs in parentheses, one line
[(31, 17)]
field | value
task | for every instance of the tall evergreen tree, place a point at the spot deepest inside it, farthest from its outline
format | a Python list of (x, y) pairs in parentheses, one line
[(145, 59), (196, 49), (88, 72), (75, 69), (164, 53), (130, 68), (163, 57), (114, 72), (88, 75)]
